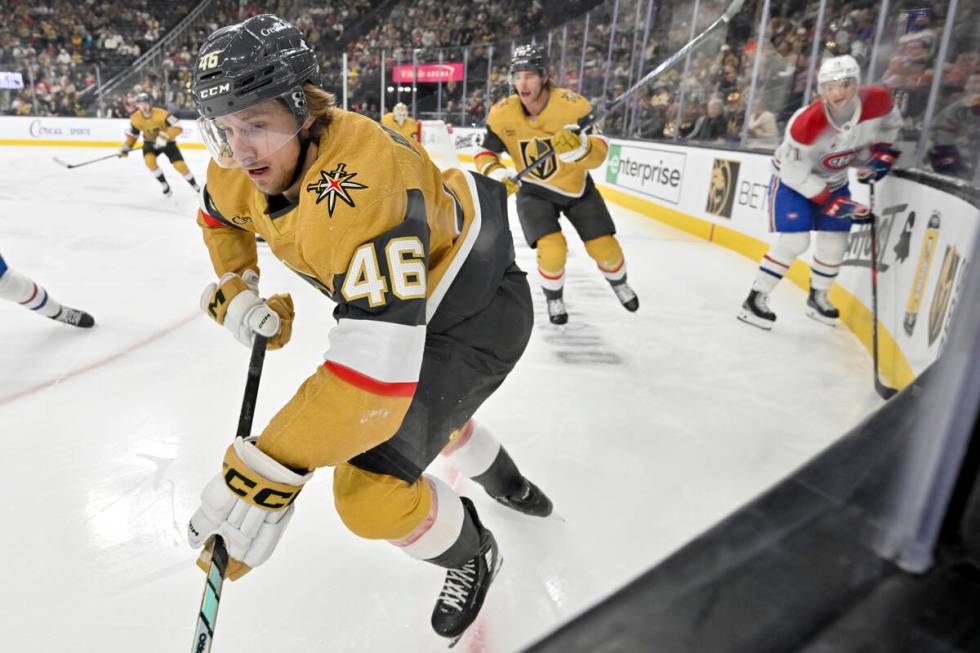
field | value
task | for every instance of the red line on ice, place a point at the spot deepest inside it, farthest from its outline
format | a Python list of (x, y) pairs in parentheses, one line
[(99, 363)]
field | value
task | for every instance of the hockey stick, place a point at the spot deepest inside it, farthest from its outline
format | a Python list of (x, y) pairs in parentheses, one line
[(85, 163), (882, 389), (218, 564), (599, 115)]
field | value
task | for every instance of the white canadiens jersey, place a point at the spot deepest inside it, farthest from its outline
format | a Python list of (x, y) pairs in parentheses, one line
[(815, 154)]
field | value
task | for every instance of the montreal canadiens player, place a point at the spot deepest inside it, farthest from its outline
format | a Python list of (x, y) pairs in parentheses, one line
[(809, 191)]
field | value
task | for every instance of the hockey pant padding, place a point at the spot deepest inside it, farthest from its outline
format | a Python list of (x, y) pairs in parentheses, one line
[(181, 167), (552, 254), (150, 159), (827, 256), (777, 261), (608, 255), (18, 288)]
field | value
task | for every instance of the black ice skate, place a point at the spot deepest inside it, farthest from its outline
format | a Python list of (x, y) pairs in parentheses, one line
[(466, 587), (529, 499), (74, 317), (755, 310), (820, 309), (167, 192), (556, 311), (626, 296)]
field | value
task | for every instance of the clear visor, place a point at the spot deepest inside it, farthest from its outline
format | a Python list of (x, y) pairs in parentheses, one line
[(848, 86), (244, 138)]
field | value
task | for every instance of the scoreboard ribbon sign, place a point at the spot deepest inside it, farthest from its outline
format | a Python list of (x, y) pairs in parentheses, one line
[(428, 73)]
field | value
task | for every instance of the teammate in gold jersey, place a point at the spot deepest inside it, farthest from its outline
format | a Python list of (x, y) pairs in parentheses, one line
[(398, 120), (524, 124), (160, 130), (432, 314)]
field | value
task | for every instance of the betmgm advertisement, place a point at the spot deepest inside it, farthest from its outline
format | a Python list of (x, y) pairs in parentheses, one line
[(656, 173)]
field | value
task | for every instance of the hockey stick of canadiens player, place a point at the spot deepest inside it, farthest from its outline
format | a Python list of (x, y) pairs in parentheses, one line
[(882, 389), (601, 113), (85, 163), (218, 565)]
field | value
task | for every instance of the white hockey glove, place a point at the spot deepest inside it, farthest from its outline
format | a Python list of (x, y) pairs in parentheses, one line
[(248, 504), (161, 142), (570, 144), (234, 303), (502, 174)]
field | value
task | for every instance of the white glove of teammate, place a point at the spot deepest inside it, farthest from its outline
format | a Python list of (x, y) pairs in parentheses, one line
[(161, 142), (234, 303), (248, 504), (570, 144)]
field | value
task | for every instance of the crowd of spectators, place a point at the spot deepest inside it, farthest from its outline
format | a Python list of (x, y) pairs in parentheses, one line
[(705, 98), (62, 48)]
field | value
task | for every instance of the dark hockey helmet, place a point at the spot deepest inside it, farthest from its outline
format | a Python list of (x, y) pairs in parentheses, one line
[(143, 97), (529, 57), (240, 66), (262, 58)]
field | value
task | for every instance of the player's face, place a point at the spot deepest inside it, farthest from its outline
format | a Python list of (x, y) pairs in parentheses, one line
[(839, 94), (528, 84), (262, 141), (144, 107)]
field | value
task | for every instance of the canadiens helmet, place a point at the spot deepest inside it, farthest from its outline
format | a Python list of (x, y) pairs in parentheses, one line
[(837, 69), (262, 58), (529, 57)]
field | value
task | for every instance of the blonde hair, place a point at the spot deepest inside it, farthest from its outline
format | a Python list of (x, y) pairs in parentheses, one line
[(321, 104)]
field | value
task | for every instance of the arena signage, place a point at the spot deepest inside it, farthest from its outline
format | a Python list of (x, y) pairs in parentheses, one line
[(654, 172), (428, 73)]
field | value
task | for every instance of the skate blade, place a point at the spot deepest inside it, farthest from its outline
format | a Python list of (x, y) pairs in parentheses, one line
[(816, 316), (500, 561), (749, 318)]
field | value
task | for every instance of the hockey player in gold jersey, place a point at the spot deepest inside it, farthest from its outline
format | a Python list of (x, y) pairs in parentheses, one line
[(524, 124), (398, 120), (160, 130), (431, 313)]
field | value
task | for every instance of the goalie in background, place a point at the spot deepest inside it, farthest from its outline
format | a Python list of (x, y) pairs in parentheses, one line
[(160, 130), (400, 122)]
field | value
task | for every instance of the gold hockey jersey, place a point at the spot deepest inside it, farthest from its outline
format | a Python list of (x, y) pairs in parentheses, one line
[(408, 129), (527, 137), (160, 121), (381, 231)]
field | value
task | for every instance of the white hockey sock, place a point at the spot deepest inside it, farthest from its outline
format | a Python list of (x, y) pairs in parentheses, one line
[(441, 527), (827, 257), (552, 282), (777, 261), (473, 451), (27, 293)]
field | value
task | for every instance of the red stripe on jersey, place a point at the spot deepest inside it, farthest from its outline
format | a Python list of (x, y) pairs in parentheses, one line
[(808, 126), (366, 383), (485, 153), (210, 221), (876, 102)]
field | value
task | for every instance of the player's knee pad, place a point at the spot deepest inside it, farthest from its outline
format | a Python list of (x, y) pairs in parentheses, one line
[(830, 246), (789, 246), (150, 160), (181, 167), (552, 252), (378, 506), (606, 252), (608, 255)]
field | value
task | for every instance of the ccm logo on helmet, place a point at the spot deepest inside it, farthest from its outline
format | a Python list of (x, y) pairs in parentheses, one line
[(839, 160), (215, 90)]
